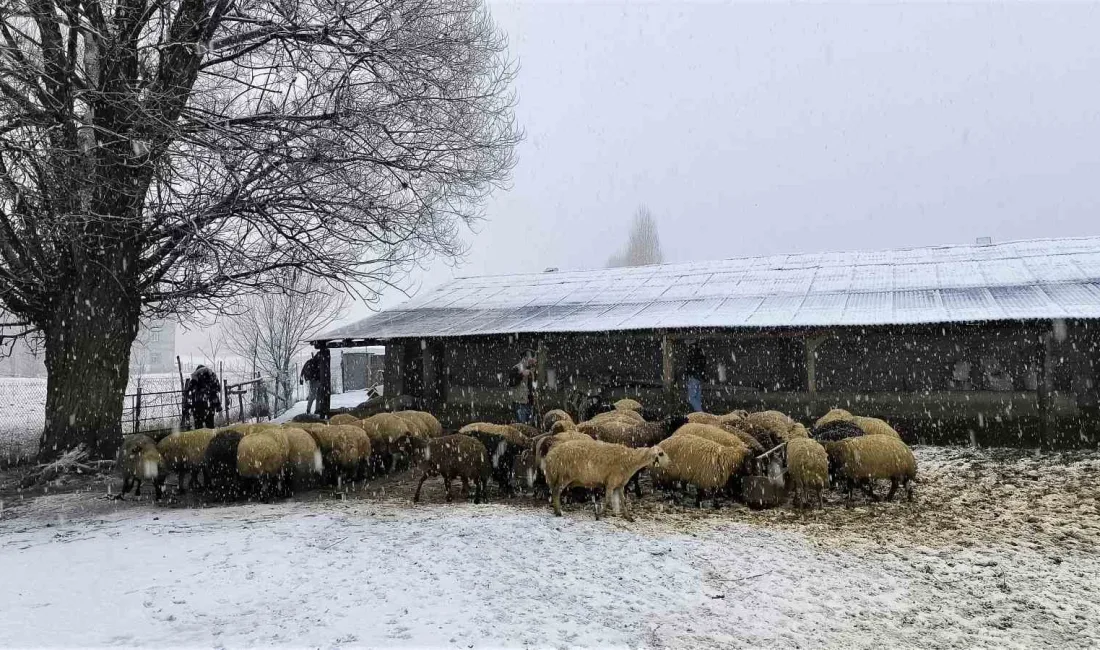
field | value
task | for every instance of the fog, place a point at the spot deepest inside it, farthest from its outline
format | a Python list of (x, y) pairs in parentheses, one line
[(756, 129)]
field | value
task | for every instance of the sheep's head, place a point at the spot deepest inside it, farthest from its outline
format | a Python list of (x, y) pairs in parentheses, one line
[(660, 458)]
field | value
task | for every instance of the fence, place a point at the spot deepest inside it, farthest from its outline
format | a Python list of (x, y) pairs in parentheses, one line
[(152, 403)]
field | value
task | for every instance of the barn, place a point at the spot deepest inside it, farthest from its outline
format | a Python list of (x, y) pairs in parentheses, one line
[(991, 344)]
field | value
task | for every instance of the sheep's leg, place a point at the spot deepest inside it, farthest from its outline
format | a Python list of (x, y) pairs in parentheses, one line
[(416, 497), (851, 487), (893, 489), (869, 487), (626, 505), (447, 488), (820, 499), (698, 497), (137, 487), (908, 489), (556, 497), (478, 487), (127, 483), (466, 487), (637, 482), (596, 504), (158, 487)]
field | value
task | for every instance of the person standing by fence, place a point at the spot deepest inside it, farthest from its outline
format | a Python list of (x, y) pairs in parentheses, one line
[(311, 374), (521, 378), (203, 397)]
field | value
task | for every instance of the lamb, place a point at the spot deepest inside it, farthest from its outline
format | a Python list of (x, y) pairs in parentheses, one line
[(504, 443), (221, 464), (455, 456), (140, 461), (184, 452), (807, 469), (835, 430), (553, 416), (627, 404), (700, 462), (342, 418), (598, 465), (863, 459)]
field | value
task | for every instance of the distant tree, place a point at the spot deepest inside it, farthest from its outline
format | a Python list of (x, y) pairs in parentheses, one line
[(164, 157), (270, 329), (643, 246)]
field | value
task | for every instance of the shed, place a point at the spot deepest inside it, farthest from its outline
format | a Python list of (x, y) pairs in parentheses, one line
[(992, 343)]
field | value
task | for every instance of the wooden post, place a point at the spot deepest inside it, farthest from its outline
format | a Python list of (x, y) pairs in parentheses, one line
[(667, 369), (137, 408), (540, 377), (428, 376), (812, 343), (1046, 388), (324, 395)]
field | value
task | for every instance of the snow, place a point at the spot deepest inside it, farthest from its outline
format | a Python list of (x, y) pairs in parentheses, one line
[(350, 399), (81, 570)]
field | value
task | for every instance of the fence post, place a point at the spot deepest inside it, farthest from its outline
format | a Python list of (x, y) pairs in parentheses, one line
[(225, 398)]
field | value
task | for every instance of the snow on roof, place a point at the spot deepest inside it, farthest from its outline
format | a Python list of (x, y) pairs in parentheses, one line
[(1048, 278)]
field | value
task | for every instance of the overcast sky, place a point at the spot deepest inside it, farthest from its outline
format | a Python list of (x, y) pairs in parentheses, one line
[(758, 129)]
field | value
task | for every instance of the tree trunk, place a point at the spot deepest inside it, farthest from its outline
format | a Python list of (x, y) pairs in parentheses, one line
[(88, 344)]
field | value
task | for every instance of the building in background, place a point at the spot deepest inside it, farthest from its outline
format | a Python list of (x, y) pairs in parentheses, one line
[(153, 352)]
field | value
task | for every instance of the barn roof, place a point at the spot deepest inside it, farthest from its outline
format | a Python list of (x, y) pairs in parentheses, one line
[(1049, 278)]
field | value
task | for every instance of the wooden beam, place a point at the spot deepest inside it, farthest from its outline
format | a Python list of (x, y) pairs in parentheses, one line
[(1046, 389)]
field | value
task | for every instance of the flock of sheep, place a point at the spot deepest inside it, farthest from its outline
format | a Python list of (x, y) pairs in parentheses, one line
[(756, 457)]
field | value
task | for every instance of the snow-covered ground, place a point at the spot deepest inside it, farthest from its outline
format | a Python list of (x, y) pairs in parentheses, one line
[(350, 399), (1000, 549)]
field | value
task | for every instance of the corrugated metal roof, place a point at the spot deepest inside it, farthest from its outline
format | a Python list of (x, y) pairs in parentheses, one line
[(1051, 278)]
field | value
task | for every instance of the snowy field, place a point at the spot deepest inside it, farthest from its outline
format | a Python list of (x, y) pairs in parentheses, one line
[(1000, 550)]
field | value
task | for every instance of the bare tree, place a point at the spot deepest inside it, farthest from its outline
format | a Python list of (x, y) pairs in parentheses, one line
[(644, 246), (272, 328), (164, 156)]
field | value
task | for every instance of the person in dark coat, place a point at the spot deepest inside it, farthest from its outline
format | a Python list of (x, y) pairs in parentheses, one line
[(204, 397), (695, 371), (311, 375)]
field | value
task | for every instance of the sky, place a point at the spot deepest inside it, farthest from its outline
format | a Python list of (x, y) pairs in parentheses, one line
[(763, 128)]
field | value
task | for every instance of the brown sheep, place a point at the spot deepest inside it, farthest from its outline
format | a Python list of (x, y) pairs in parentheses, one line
[(140, 461), (562, 426), (553, 416), (455, 456), (627, 404), (863, 459), (343, 418), (598, 465), (745, 437), (184, 452), (700, 417), (503, 442)]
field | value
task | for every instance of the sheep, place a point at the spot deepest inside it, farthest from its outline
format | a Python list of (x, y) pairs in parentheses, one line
[(598, 465), (524, 468), (562, 426), (835, 430), (543, 444), (628, 404), (504, 443), (632, 417), (342, 418), (752, 443), (262, 458), (703, 463), (305, 457), (797, 430), (700, 417), (645, 434), (807, 469), (184, 452), (875, 427), (221, 464), (712, 433), (553, 416), (863, 459), (526, 429), (434, 427), (417, 425), (140, 461), (832, 416), (455, 456), (389, 435), (340, 451)]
